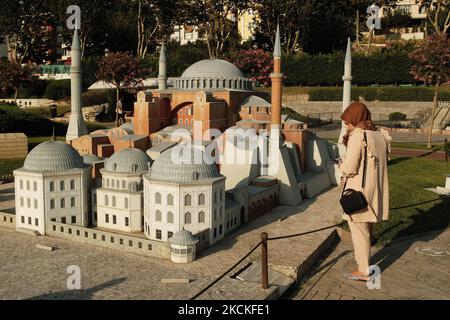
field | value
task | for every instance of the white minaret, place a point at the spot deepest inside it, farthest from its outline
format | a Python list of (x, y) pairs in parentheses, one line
[(346, 100), (77, 127), (162, 77)]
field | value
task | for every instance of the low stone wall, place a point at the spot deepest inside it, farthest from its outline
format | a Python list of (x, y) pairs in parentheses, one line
[(332, 110), (7, 220), (110, 240), (30, 103), (424, 130)]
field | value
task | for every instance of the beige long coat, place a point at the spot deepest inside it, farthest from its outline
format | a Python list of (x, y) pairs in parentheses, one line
[(377, 187)]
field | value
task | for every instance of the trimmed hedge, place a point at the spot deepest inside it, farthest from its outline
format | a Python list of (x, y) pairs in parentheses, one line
[(58, 89), (383, 68), (378, 93)]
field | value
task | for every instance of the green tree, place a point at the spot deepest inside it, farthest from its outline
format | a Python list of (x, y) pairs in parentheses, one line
[(432, 66), (13, 75), (438, 14), (121, 69)]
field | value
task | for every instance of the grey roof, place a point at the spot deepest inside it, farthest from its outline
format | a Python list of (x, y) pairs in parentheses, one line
[(212, 68), (128, 127), (131, 137), (255, 101), (128, 161), (183, 238), (183, 164), (53, 156), (91, 159)]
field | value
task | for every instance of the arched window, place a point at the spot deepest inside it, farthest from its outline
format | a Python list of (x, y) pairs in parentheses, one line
[(201, 217), (169, 217), (187, 200), (158, 198), (62, 186), (35, 203), (117, 184), (188, 218), (113, 201), (21, 201), (21, 184), (106, 200), (126, 203), (124, 184), (63, 203), (72, 184), (215, 214), (170, 200), (34, 186), (28, 185), (158, 216), (113, 184), (201, 199), (107, 183)]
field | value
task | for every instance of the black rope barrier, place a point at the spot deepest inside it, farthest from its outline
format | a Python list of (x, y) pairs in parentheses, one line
[(308, 232), (226, 272), (297, 235)]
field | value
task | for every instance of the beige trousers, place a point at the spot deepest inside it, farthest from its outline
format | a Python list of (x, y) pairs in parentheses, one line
[(361, 232)]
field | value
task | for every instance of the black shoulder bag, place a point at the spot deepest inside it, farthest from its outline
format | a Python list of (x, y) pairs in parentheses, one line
[(353, 201)]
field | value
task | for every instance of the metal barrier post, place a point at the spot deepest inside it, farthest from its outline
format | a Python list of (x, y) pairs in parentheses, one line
[(446, 149), (264, 261)]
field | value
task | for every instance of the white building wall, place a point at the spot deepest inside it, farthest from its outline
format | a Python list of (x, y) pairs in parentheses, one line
[(29, 216), (154, 228), (118, 212)]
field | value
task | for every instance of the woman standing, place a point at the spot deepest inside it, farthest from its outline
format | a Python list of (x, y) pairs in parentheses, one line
[(360, 128)]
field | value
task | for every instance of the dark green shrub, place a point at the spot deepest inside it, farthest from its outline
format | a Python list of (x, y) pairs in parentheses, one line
[(388, 93), (58, 89), (397, 116)]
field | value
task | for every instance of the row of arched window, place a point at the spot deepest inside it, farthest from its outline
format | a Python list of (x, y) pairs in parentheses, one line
[(52, 185), (114, 202), (29, 201), (117, 184), (214, 84), (188, 217), (188, 199)]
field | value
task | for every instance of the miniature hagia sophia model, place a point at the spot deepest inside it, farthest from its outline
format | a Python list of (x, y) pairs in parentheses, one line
[(126, 181)]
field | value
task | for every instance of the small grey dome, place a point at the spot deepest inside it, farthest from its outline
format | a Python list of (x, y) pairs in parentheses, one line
[(213, 74), (183, 238), (53, 156), (212, 68), (91, 159), (128, 161), (183, 164)]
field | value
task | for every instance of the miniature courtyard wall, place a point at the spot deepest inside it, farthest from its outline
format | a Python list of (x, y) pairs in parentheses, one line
[(7, 220), (13, 145), (110, 240)]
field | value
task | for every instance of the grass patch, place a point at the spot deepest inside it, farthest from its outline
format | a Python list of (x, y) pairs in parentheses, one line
[(407, 179), (7, 166)]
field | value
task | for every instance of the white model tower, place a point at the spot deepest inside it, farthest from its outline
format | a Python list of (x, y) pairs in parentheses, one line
[(77, 127)]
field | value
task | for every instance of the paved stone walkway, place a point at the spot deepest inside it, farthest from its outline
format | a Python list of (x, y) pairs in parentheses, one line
[(28, 272), (414, 268)]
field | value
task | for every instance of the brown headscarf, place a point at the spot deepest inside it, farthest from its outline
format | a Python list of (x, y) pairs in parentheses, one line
[(358, 115)]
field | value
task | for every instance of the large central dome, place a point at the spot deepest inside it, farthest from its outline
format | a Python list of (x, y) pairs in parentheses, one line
[(212, 68), (213, 74)]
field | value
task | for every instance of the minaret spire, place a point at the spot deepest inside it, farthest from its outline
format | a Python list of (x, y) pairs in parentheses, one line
[(346, 99), (162, 77), (77, 127), (277, 83)]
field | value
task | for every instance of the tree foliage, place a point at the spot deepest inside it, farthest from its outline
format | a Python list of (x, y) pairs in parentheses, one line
[(256, 64), (13, 75)]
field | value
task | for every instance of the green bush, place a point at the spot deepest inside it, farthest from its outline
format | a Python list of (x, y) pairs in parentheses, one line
[(58, 89), (388, 93), (383, 68), (397, 116), (14, 119)]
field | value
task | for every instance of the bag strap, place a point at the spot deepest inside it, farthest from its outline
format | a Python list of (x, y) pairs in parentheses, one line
[(365, 162), (363, 184)]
